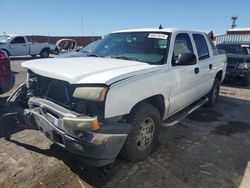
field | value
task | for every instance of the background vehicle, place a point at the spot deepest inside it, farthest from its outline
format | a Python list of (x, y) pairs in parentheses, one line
[(19, 46), (7, 78), (238, 61), (114, 100), (66, 45), (82, 52)]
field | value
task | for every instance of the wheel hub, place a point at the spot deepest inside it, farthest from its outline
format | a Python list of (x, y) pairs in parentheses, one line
[(146, 133)]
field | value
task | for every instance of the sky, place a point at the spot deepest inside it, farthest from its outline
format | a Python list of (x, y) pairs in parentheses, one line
[(100, 17)]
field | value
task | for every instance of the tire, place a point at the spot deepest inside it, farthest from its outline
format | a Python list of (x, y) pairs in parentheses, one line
[(246, 80), (44, 53), (56, 51), (213, 94), (33, 56), (146, 121)]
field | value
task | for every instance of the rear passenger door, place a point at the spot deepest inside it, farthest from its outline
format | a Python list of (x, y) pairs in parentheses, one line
[(203, 63)]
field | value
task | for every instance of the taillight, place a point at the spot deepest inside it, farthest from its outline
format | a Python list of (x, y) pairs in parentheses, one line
[(3, 55)]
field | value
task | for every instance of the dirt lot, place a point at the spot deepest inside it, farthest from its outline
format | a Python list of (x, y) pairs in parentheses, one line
[(210, 148)]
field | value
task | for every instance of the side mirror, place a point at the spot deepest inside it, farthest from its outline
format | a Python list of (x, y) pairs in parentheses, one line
[(185, 59)]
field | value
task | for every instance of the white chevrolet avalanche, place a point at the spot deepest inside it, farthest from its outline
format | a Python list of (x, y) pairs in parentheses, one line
[(114, 100)]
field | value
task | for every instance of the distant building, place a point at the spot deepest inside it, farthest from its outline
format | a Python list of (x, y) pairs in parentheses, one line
[(235, 35), (242, 30)]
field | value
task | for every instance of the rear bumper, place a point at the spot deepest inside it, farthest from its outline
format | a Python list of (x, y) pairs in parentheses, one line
[(8, 85), (94, 148)]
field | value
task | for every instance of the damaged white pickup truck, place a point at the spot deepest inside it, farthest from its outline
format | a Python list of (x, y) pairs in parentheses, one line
[(114, 100)]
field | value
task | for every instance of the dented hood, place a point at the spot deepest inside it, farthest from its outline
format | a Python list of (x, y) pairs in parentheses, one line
[(89, 70)]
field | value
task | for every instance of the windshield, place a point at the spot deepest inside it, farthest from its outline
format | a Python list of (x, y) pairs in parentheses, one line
[(4, 38), (89, 48), (149, 47), (235, 49)]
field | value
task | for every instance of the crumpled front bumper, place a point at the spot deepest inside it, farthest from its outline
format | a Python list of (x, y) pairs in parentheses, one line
[(95, 148)]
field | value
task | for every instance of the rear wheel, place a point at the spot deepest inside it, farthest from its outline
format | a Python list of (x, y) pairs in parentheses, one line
[(44, 53), (213, 94), (145, 120)]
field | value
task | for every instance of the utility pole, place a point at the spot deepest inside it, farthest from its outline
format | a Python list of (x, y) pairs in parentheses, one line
[(82, 26), (82, 29), (234, 18)]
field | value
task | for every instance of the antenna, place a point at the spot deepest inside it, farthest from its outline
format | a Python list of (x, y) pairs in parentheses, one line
[(234, 18), (160, 27)]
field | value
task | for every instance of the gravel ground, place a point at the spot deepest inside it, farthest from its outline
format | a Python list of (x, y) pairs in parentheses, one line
[(209, 148)]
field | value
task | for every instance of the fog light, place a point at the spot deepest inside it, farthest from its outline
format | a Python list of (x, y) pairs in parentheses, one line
[(78, 147)]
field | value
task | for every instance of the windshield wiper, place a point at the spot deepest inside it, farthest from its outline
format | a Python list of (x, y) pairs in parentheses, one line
[(126, 58)]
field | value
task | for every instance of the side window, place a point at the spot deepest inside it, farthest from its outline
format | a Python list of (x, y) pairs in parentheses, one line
[(182, 44), (18, 40), (201, 46)]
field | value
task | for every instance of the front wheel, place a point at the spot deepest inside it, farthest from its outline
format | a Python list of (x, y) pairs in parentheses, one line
[(213, 94), (143, 137)]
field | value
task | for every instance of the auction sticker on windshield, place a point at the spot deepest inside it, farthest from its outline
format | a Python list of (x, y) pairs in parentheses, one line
[(157, 36)]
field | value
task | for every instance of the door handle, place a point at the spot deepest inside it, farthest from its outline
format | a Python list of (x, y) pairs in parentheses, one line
[(210, 66), (24, 45), (196, 70)]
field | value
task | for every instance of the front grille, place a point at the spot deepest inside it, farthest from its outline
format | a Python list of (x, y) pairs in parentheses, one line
[(61, 93), (58, 91), (232, 65)]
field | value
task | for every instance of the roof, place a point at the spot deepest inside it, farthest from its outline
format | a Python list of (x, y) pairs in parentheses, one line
[(240, 29), (168, 30)]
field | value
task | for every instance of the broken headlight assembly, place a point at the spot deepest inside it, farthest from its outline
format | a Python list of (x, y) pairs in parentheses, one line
[(91, 100), (96, 93)]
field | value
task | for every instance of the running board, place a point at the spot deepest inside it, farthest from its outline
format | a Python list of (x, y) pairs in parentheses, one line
[(184, 113)]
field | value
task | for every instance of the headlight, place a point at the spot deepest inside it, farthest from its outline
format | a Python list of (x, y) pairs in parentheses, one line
[(91, 93), (243, 66)]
